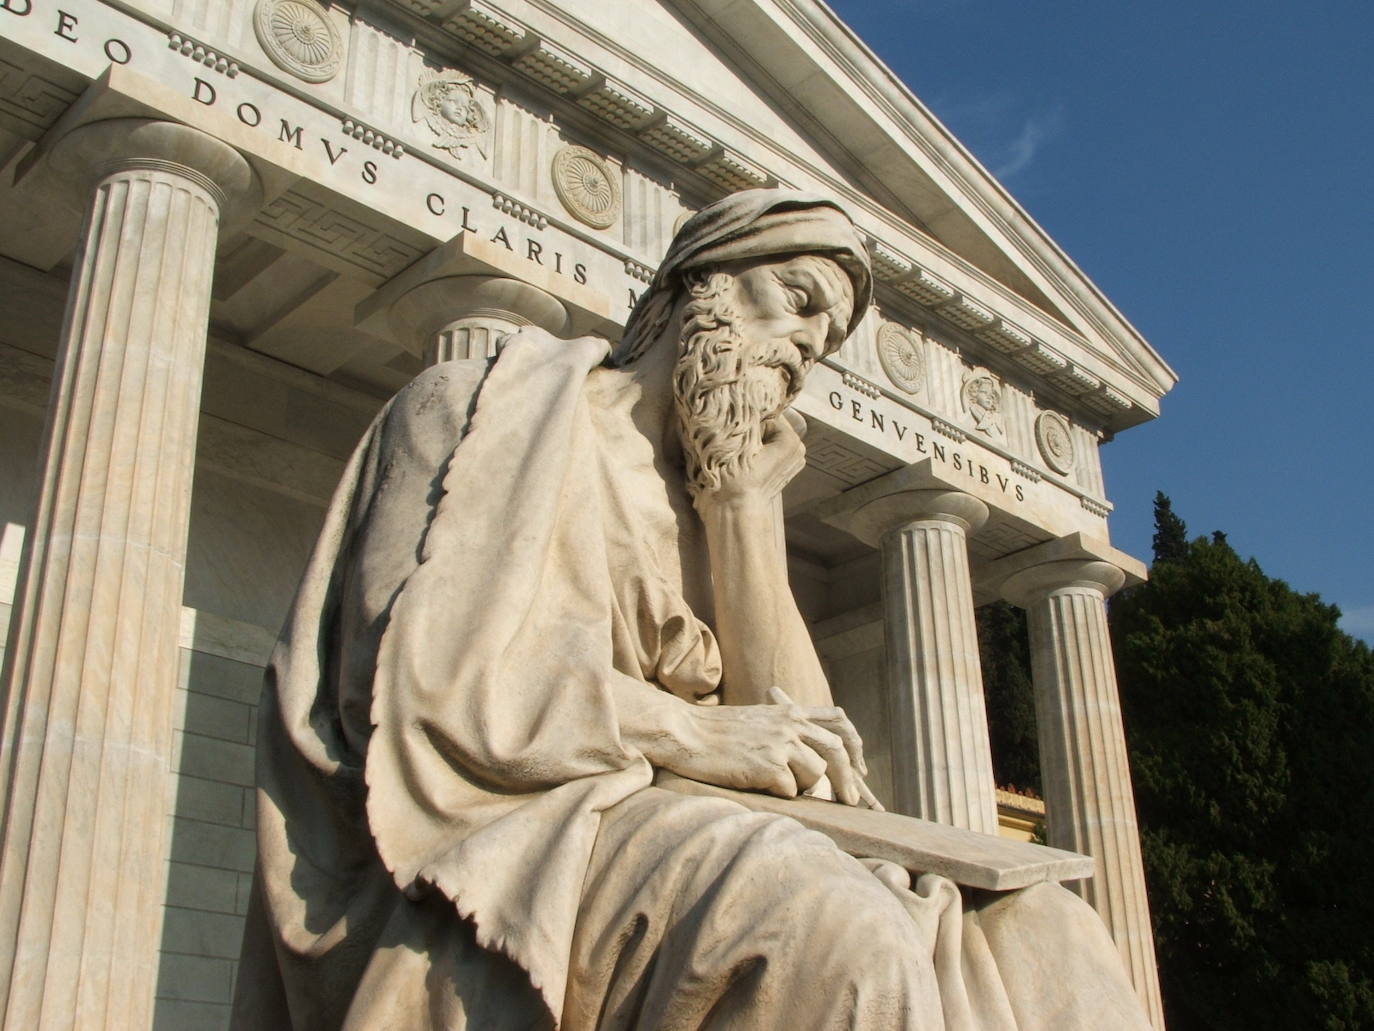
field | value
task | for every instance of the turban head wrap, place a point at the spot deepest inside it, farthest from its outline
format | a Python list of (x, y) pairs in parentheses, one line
[(757, 224)]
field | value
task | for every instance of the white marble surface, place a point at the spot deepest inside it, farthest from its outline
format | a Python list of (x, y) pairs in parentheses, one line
[(1085, 769), (91, 661)]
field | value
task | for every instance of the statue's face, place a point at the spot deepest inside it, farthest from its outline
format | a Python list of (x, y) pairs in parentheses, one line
[(985, 394), (792, 313), (453, 106), (750, 334)]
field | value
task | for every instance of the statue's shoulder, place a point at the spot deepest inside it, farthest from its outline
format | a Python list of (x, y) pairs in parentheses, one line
[(435, 406), (533, 346), (451, 378)]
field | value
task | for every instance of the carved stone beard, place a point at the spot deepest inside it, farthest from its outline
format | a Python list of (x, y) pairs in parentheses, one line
[(725, 386)]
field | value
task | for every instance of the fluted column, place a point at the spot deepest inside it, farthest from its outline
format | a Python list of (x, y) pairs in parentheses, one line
[(91, 668), (468, 316), (1083, 762), (942, 768)]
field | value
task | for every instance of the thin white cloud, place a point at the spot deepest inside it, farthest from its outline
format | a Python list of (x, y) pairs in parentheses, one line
[(1359, 622), (1005, 131), (1036, 130)]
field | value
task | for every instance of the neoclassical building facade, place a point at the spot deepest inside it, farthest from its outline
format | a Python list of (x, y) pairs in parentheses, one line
[(230, 229)]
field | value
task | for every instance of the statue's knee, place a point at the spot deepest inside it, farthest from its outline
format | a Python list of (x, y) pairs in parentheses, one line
[(848, 908)]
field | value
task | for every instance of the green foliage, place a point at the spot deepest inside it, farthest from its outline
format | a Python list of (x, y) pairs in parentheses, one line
[(1251, 722), (1171, 535), (1004, 651)]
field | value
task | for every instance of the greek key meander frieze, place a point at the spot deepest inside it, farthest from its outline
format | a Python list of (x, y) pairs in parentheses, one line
[(1000, 539), (31, 100), (831, 456), (345, 237)]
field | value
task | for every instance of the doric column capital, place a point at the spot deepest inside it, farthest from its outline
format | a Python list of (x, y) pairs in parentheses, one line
[(1030, 585), (875, 519), (91, 153), (1076, 561), (434, 318), (908, 496), (461, 297)]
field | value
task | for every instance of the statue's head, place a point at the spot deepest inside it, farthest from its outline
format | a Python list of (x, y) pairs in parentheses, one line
[(755, 290)]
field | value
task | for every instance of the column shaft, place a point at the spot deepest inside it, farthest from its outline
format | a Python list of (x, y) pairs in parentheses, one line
[(1084, 767), (91, 669), (943, 761)]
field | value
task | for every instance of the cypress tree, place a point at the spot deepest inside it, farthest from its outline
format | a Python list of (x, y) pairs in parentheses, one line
[(1171, 534), (1251, 722), (1004, 652)]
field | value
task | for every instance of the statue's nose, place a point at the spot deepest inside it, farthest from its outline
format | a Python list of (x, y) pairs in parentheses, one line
[(810, 340)]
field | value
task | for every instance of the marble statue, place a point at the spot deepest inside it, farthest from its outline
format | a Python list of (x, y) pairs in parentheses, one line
[(543, 578)]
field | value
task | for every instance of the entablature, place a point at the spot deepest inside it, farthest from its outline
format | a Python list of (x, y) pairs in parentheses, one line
[(533, 79)]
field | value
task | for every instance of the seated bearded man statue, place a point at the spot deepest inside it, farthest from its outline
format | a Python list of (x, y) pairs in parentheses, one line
[(543, 578)]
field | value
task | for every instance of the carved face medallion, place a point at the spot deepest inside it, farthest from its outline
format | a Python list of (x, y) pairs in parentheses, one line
[(981, 397), (452, 110)]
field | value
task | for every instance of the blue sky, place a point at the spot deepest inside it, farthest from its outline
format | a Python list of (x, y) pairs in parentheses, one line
[(1210, 166)]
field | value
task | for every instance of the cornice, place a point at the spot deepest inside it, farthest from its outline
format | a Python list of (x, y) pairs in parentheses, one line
[(1108, 371), (622, 108), (884, 88)]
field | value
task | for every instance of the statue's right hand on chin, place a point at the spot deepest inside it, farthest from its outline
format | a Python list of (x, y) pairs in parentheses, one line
[(782, 748), (780, 456)]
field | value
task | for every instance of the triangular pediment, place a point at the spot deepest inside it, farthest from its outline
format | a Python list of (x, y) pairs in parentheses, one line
[(787, 86)]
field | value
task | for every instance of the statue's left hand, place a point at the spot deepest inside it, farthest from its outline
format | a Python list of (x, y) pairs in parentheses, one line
[(780, 748)]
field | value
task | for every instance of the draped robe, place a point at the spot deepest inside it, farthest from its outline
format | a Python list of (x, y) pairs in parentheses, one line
[(452, 833)]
